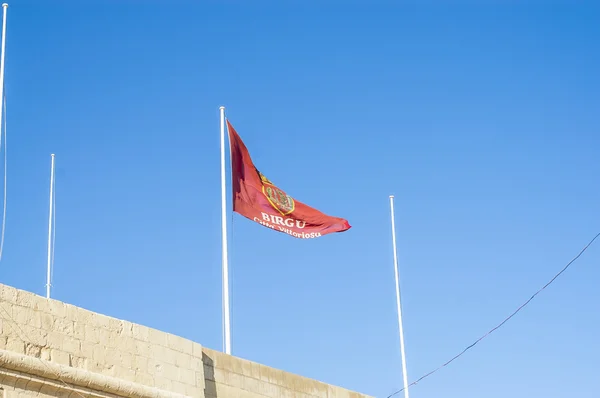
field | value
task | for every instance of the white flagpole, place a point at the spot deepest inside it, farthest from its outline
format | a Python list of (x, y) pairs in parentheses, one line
[(2, 108), (404, 375), (227, 336), (51, 213), (4, 8)]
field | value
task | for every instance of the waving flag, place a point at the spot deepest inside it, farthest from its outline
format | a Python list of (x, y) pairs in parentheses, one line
[(257, 198)]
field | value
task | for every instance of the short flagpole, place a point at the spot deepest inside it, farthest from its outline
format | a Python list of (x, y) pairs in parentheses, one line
[(4, 8), (226, 324), (404, 375), (51, 213)]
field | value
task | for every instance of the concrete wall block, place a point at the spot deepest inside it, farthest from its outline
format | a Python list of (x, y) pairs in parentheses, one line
[(116, 325), (183, 360), (99, 320), (8, 294), (111, 338), (229, 378), (77, 361), (251, 384), (25, 316), (170, 372), (33, 350), (277, 376), (187, 376), (34, 386), (225, 391), (268, 390), (155, 368), (95, 366), (42, 305), (142, 348), (254, 371), (144, 378), (78, 314), (72, 312), (21, 383), (15, 344), (71, 345), (126, 329), (197, 350), (202, 379), (246, 368), (57, 309), (64, 326), (6, 314), (105, 336), (68, 394), (99, 352), (156, 337), (178, 387), (26, 299), (47, 321), (180, 344), (333, 393), (193, 391), (165, 354), (127, 359), (141, 332), (223, 361), (289, 393), (312, 387), (46, 354), (140, 364), (113, 356), (55, 340), (196, 364), (78, 330), (124, 373), (60, 357), (34, 335), (235, 365), (87, 349), (48, 390), (162, 383), (92, 334), (267, 375)]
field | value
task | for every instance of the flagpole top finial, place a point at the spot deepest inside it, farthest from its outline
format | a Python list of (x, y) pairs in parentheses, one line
[(221, 107), (391, 196), (5, 5)]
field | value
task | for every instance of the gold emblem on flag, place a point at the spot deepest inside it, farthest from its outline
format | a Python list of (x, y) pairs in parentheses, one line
[(280, 201)]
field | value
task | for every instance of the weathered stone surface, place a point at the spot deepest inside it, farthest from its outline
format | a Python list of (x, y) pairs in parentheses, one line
[(52, 349)]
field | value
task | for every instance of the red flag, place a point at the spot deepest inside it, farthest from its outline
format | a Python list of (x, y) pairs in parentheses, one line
[(257, 198)]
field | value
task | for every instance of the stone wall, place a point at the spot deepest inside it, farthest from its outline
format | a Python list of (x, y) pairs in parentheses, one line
[(228, 376), (49, 348)]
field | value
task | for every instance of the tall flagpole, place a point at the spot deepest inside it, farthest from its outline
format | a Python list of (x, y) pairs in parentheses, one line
[(2, 108), (4, 8), (227, 332), (50, 214), (404, 375)]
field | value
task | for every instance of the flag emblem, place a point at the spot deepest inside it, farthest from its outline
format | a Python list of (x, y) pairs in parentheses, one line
[(280, 201)]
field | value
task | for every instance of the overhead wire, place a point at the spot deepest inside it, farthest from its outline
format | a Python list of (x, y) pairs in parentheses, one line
[(501, 323)]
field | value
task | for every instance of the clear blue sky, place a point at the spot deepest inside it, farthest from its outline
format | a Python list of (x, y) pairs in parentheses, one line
[(483, 120)]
